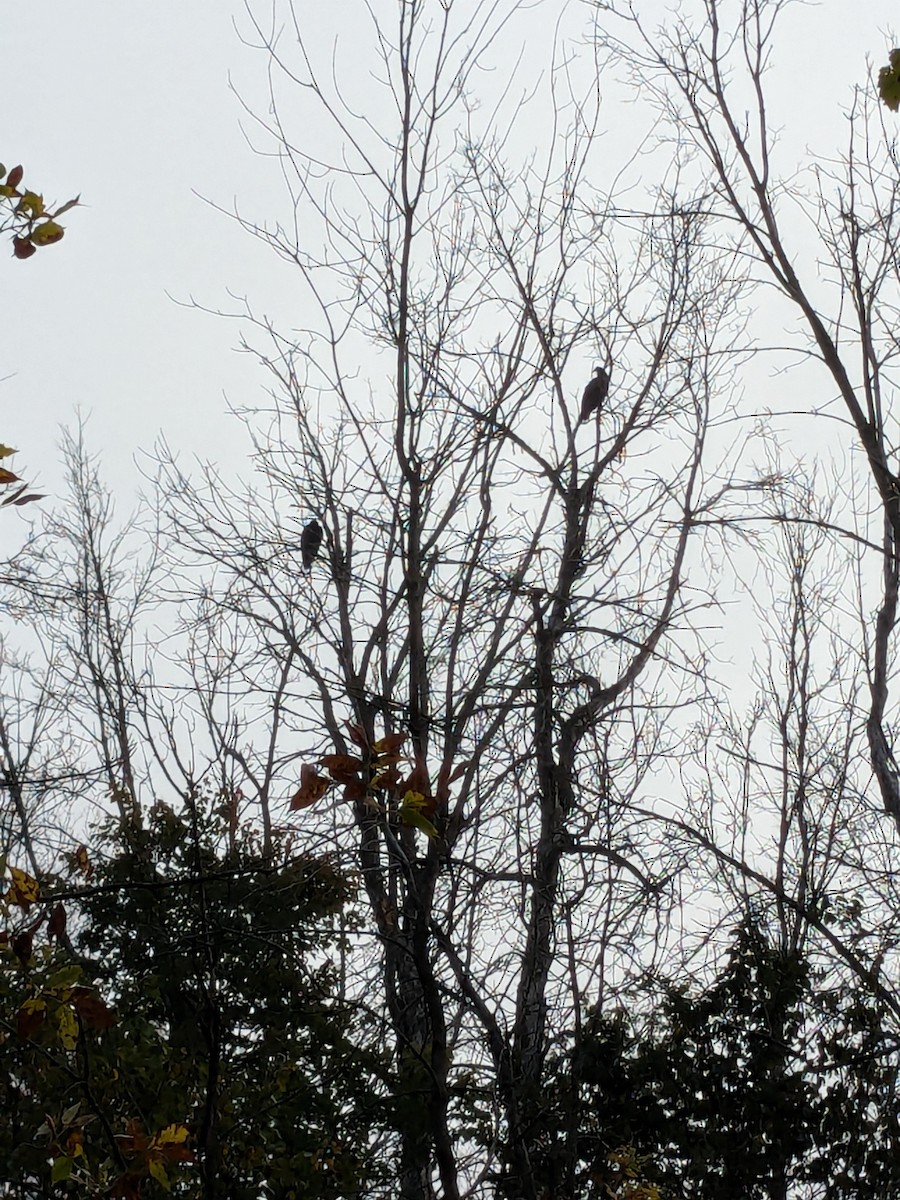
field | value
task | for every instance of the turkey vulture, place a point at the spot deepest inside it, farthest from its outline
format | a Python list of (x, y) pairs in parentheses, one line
[(595, 393), (310, 541)]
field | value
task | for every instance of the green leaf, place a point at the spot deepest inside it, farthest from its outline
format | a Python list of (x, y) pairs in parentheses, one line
[(64, 978), (889, 82), (31, 203), (62, 1169), (410, 815), (70, 1114)]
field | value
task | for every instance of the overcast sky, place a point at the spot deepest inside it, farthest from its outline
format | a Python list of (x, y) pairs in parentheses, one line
[(131, 105)]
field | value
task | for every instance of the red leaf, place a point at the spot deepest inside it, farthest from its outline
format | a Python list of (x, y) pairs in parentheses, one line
[(127, 1187), (23, 946), (56, 926), (14, 178), (355, 791), (30, 1018), (358, 735), (22, 248)]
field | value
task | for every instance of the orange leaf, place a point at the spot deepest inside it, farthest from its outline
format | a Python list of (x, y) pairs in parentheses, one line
[(387, 779), (389, 744), (92, 1009), (82, 862), (312, 788), (341, 767), (8, 476), (135, 1141)]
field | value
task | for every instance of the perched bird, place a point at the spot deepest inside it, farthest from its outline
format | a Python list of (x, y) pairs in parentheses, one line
[(595, 393), (310, 541)]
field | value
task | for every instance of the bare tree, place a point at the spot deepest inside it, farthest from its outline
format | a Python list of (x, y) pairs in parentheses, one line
[(481, 664), (80, 590), (795, 799), (707, 73)]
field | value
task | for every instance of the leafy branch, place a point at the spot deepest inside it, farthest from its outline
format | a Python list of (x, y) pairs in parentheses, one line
[(24, 213)]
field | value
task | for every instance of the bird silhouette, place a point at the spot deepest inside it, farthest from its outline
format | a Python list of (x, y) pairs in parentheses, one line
[(310, 541), (595, 393)]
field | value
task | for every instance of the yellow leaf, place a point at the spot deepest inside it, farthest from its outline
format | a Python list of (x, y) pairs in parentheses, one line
[(172, 1135), (158, 1171), (67, 1026), (24, 890), (6, 451), (46, 233)]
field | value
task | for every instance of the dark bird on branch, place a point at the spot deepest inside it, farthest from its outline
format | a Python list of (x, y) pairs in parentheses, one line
[(595, 393), (310, 541)]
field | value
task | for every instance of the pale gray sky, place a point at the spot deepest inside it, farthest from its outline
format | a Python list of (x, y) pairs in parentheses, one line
[(129, 104)]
